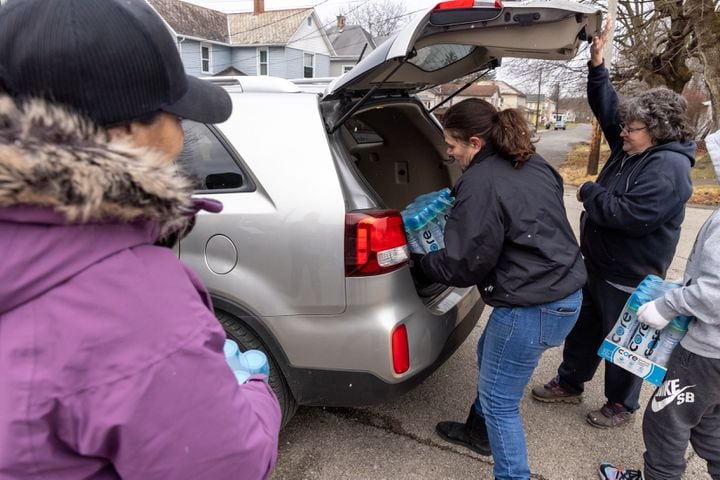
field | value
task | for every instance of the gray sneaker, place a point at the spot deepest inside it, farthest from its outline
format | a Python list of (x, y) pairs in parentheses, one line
[(611, 415), (552, 392)]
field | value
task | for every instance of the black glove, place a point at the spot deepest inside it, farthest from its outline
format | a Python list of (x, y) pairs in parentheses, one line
[(416, 269)]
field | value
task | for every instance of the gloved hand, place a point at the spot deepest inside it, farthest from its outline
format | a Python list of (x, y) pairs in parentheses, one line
[(649, 315), (416, 269)]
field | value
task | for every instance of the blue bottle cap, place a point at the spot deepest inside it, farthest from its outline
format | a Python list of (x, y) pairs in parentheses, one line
[(681, 322), (639, 297), (256, 359), (652, 279), (413, 222), (230, 348)]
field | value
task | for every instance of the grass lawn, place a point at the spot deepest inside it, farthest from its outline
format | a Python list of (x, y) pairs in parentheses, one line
[(706, 190)]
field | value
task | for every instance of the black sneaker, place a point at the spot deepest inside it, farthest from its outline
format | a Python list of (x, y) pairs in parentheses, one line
[(608, 471)]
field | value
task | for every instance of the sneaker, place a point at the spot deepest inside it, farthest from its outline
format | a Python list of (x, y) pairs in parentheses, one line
[(611, 415), (552, 392), (611, 472)]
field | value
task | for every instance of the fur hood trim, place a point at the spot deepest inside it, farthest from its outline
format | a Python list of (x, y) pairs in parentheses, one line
[(51, 157)]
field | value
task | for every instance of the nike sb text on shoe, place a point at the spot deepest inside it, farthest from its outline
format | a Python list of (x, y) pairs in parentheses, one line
[(608, 471), (552, 392)]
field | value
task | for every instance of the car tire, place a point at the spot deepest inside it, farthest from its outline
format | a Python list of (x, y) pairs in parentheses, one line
[(248, 340)]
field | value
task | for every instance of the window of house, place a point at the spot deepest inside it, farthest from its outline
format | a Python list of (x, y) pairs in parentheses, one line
[(347, 68), (263, 61), (308, 65), (205, 53), (208, 162), (309, 21)]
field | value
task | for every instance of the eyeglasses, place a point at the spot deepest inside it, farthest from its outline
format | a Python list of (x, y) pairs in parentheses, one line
[(625, 129)]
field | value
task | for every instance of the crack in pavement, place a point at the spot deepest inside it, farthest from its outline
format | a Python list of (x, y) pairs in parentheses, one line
[(391, 425)]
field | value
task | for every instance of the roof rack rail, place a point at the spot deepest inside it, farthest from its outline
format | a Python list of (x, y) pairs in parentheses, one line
[(253, 83)]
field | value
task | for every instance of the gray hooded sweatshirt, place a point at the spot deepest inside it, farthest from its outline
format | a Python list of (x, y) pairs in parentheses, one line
[(700, 297)]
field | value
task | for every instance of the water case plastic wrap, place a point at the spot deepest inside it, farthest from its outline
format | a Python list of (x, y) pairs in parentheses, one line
[(639, 348)]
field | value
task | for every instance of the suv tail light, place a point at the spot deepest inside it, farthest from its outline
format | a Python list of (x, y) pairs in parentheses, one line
[(375, 242)]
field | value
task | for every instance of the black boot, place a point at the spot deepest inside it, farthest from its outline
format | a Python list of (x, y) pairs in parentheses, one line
[(471, 434)]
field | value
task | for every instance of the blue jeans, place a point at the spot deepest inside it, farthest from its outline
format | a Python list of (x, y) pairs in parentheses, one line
[(508, 352)]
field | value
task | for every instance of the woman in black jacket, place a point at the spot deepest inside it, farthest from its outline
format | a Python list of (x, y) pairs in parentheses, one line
[(630, 228), (508, 234)]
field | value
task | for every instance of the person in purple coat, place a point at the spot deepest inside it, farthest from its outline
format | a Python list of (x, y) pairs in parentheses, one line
[(111, 360)]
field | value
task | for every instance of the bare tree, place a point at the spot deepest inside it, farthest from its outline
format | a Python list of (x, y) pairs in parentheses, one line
[(379, 17)]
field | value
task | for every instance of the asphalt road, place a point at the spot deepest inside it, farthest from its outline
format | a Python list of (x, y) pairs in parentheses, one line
[(554, 145), (396, 440)]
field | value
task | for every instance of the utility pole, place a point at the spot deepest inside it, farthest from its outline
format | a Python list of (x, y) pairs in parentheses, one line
[(594, 155), (537, 107)]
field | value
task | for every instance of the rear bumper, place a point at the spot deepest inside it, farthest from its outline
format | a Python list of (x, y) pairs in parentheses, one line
[(344, 388)]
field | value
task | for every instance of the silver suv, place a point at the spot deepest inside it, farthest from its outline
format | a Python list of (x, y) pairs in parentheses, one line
[(308, 260)]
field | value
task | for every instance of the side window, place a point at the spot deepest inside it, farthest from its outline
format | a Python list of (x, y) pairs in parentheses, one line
[(205, 159), (205, 60), (263, 61), (308, 65)]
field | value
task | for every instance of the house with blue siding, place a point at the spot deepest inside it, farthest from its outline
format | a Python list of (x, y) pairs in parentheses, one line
[(351, 43), (282, 43)]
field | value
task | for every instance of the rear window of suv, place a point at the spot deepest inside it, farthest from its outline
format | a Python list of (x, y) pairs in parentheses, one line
[(208, 162), (435, 57)]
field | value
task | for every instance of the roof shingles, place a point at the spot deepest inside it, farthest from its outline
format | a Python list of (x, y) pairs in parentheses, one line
[(275, 27), (193, 20)]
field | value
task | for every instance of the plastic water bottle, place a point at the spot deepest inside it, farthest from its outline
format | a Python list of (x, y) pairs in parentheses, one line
[(447, 199), (255, 362), (412, 228), (438, 208), (431, 237), (644, 341), (624, 330), (669, 338), (232, 353), (245, 364)]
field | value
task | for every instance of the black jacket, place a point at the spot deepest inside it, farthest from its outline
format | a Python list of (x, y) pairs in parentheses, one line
[(633, 212), (508, 234)]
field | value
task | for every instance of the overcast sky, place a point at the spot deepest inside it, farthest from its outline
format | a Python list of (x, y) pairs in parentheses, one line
[(325, 8)]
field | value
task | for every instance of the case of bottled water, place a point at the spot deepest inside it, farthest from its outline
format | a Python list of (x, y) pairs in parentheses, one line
[(637, 347), (425, 218)]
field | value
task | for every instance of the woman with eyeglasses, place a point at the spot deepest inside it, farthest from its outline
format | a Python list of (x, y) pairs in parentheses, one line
[(630, 228)]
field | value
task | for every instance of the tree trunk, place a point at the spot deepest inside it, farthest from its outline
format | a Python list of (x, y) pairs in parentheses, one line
[(707, 33), (594, 156)]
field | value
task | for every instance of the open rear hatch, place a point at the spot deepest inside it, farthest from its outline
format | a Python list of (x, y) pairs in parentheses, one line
[(387, 136), (460, 37)]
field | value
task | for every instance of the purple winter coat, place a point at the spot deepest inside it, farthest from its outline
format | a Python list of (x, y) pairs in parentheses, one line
[(111, 362)]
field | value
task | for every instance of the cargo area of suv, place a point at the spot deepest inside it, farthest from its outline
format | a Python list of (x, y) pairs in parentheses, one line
[(308, 260)]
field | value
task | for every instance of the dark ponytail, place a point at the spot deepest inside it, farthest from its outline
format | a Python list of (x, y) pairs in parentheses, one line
[(511, 136), (506, 130)]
